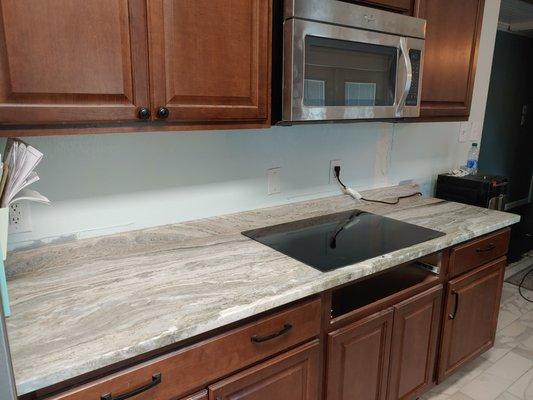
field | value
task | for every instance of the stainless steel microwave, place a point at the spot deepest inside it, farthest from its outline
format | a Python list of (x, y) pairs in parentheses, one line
[(346, 62)]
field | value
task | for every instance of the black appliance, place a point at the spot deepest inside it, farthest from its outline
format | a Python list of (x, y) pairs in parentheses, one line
[(477, 190), (337, 240)]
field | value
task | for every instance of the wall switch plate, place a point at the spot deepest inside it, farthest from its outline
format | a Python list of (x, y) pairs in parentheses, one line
[(20, 217), (332, 165), (475, 133), (274, 180), (465, 131)]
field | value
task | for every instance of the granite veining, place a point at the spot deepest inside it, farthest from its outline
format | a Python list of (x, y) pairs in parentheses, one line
[(84, 305)]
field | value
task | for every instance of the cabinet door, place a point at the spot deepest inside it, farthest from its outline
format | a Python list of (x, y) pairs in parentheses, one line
[(210, 59), (72, 60), (358, 359), (197, 396), (471, 315), (414, 344), (452, 41), (292, 375)]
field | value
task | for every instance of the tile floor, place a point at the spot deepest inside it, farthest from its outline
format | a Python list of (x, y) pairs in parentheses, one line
[(506, 371)]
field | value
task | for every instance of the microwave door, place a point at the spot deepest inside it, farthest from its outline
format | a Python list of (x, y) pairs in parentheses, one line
[(338, 73)]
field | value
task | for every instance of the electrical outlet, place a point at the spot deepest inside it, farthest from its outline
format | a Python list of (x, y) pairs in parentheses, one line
[(475, 133), (20, 217), (332, 165), (274, 180), (465, 131)]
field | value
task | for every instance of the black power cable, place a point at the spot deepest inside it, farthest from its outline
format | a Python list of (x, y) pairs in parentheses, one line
[(337, 170), (520, 286)]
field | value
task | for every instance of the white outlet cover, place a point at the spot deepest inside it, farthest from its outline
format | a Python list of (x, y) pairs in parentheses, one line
[(274, 180), (475, 132), (332, 165), (20, 217), (465, 131)]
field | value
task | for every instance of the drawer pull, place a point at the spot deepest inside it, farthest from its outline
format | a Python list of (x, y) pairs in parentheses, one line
[(258, 339), (454, 313), (489, 247), (156, 380)]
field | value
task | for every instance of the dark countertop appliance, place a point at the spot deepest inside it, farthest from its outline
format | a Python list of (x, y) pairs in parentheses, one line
[(477, 190), (336, 240)]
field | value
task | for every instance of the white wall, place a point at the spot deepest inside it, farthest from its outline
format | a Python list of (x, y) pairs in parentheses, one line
[(101, 184)]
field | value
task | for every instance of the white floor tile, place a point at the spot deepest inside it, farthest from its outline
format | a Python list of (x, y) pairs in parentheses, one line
[(523, 387), (510, 367), (508, 396), (486, 387)]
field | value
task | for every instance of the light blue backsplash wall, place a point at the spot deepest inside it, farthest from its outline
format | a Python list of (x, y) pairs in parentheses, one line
[(101, 184)]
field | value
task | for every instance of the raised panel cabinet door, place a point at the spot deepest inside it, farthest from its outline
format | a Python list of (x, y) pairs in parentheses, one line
[(358, 359), (414, 344), (452, 41), (210, 59), (292, 375), (197, 396), (72, 61), (471, 316)]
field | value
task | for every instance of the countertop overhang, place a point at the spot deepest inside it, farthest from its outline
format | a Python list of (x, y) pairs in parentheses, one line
[(84, 305)]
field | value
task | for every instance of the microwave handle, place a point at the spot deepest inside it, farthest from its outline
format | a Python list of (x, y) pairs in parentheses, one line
[(408, 77)]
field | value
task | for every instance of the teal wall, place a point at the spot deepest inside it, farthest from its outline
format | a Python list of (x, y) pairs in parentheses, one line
[(507, 147)]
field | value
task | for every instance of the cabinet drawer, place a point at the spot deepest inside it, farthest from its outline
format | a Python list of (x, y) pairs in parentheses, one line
[(169, 376), (477, 252)]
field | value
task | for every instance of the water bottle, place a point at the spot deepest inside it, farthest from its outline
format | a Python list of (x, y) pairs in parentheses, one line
[(471, 161)]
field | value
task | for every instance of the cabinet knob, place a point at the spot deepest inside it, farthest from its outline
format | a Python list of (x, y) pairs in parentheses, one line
[(162, 113), (144, 113)]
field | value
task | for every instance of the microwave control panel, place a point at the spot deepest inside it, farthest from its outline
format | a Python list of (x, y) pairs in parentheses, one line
[(412, 97)]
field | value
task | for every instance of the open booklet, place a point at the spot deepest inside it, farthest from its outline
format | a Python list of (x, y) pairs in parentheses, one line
[(17, 173)]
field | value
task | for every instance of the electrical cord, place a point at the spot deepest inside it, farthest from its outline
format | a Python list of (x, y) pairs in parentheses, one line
[(347, 190), (520, 286)]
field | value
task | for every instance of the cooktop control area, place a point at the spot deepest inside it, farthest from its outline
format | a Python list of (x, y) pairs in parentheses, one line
[(337, 240)]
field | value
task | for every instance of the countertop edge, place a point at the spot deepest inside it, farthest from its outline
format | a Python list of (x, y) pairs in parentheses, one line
[(341, 276)]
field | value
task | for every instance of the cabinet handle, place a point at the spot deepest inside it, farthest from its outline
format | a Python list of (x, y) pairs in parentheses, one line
[(489, 247), (143, 113), (454, 313), (162, 113), (156, 380), (258, 339)]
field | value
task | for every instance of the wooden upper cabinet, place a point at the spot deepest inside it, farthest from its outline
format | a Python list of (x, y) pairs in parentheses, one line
[(210, 59), (399, 6), (72, 60), (452, 41), (471, 316)]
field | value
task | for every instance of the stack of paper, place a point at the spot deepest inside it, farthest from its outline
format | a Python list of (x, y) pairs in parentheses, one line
[(17, 171)]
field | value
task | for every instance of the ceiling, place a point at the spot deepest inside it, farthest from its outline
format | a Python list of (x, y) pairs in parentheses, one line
[(516, 16)]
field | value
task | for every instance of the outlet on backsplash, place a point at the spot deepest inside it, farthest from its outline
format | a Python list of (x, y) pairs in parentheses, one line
[(332, 165), (274, 180), (20, 217)]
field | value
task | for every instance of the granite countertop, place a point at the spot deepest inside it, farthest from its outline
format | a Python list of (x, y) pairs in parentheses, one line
[(87, 304)]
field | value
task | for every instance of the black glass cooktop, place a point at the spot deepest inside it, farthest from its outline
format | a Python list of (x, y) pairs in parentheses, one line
[(336, 240)]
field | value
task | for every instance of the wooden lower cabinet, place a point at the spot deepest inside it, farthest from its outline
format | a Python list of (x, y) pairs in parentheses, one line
[(197, 396), (358, 359), (293, 375), (471, 316), (389, 355), (414, 344)]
